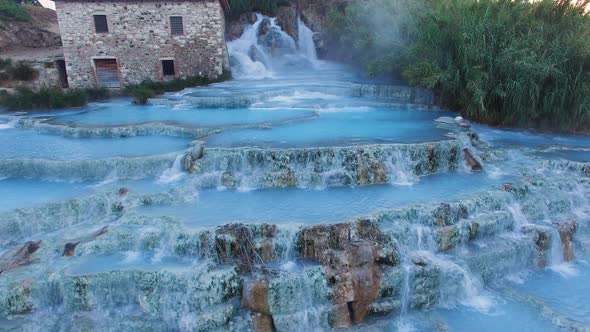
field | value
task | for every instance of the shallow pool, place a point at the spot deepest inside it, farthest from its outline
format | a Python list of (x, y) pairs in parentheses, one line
[(564, 287), (23, 143), (123, 112), (25, 193), (340, 127), (214, 207)]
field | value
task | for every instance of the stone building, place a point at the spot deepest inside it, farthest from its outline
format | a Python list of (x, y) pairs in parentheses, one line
[(114, 43)]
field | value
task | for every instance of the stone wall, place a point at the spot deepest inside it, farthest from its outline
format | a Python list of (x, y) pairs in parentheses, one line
[(139, 37)]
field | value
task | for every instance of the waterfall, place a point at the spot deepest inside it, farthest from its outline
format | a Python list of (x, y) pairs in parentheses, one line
[(519, 218), (173, 173), (401, 170), (557, 264), (264, 49), (305, 42), (403, 324)]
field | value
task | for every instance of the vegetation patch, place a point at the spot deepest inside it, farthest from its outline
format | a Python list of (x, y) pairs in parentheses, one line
[(142, 92), (237, 7), (21, 71), (501, 62), (47, 98), (10, 11)]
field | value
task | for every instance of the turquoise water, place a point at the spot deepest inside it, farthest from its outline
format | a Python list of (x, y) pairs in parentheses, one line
[(506, 315), (564, 288), (529, 138), (340, 127), (214, 207), (128, 260), (122, 112), (26, 193), (22, 143)]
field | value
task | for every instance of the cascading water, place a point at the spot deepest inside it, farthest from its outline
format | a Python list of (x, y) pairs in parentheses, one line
[(264, 49), (174, 173)]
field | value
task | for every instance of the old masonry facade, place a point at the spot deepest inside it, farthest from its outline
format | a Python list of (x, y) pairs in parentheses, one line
[(114, 43)]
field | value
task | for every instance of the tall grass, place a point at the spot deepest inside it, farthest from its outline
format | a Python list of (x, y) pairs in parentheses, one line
[(501, 62)]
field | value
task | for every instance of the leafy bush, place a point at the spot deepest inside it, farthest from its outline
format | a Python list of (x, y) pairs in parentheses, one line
[(150, 89), (502, 62), (22, 72), (97, 93), (46, 98), (5, 63), (141, 95), (238, 7), (11, 11)]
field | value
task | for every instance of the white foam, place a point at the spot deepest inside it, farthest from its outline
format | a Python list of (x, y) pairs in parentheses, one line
[(566, 270), (174, 173), (8, 125)]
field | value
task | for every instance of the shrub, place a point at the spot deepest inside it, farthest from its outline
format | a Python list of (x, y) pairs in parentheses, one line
[(97, 93), (141, 95), (5, 63), (238, 7), (142, 92), (47, 98), (11, 11), (22, 72)]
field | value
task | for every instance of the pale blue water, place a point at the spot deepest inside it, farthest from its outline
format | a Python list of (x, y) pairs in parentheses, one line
[(128, 260), (530, 139), (580, 155), (123, 112), (23, 143), (564, 288), (25, 193), (340, 127), (214, 207)]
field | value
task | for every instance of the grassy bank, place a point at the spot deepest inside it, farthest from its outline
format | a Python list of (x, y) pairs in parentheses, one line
[(496, 61)]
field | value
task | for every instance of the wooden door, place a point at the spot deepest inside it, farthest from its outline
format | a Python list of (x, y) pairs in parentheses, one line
[(107, 73)]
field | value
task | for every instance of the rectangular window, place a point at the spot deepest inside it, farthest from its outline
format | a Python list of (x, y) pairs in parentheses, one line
[(100, 24), (176, 28), (168, 67)]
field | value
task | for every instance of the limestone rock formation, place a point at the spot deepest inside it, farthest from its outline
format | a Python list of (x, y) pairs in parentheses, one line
[(351, 255), (70, 247), (471, 161), (542, 239), (566, 234), (19, 256)]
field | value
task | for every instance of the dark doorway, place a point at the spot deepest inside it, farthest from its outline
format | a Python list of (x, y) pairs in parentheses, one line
[(63, 75)]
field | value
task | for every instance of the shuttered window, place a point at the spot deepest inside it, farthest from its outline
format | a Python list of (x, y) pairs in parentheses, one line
[(168, 67), (100, 24), (176, 28)]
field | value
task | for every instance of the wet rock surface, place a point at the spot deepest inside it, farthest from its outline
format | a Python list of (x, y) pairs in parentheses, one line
[(567, 231), (351, 255)]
